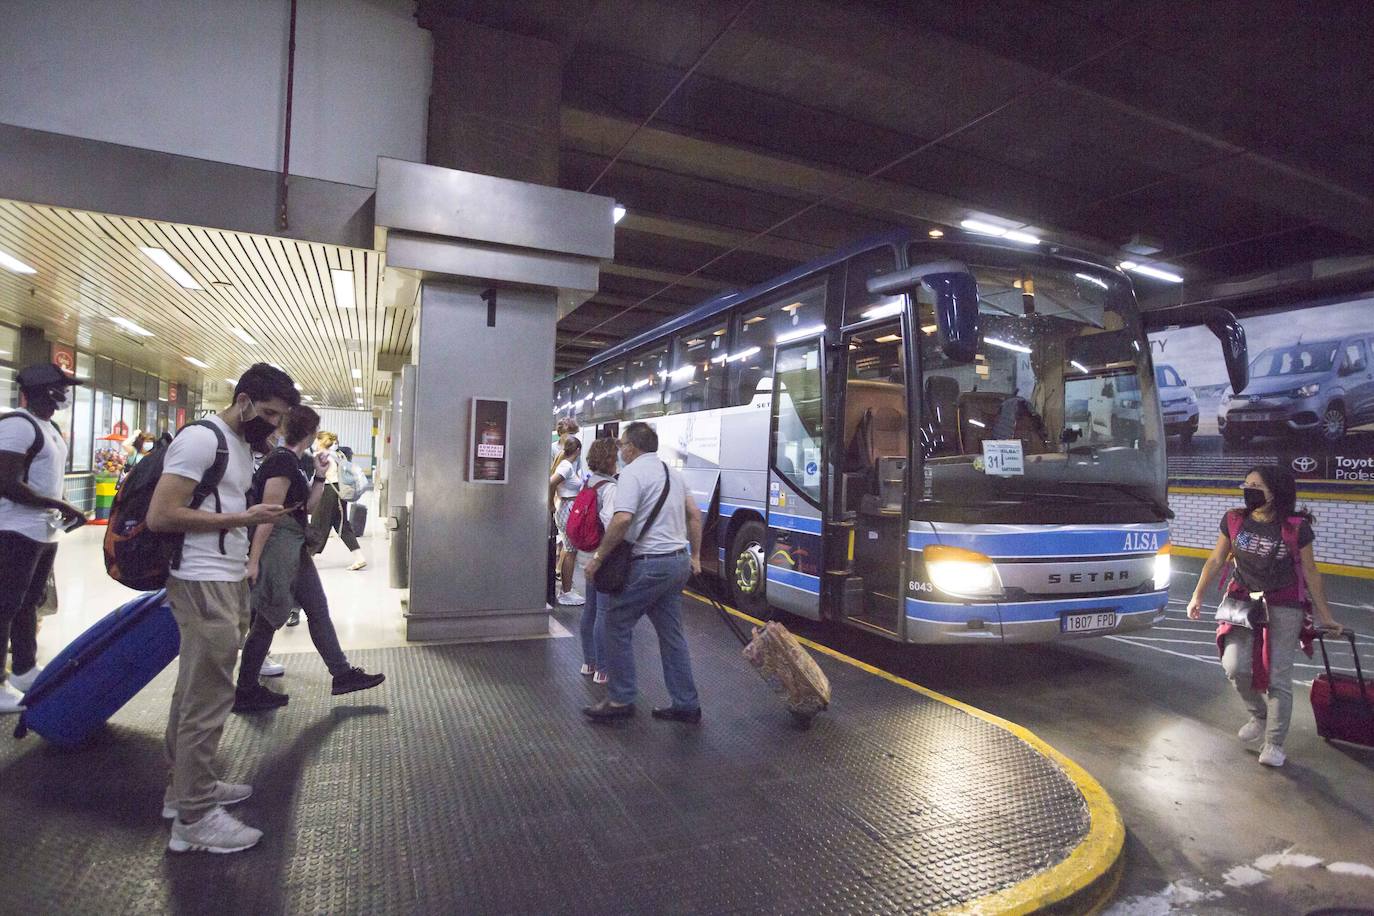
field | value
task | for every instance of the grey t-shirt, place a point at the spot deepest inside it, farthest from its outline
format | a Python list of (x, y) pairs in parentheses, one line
[(641, 482)]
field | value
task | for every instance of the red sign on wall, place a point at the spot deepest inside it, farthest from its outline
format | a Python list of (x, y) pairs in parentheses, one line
[(64, 357), (181, 417), (172, 393), (121, 429)]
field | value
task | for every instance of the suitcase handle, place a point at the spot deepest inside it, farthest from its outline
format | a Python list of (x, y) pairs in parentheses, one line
[(1359, 672)]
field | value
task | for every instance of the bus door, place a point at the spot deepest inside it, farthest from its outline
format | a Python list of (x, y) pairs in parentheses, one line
[(794, 555), (870, 498)]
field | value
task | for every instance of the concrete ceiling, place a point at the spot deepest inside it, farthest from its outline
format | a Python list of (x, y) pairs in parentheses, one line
[(1234, 133), (89, 270)]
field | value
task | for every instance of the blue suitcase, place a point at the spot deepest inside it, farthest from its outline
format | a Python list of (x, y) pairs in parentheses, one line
[(100, 671)]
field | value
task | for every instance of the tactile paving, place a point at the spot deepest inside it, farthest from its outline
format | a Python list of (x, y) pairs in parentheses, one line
[(470, 783)]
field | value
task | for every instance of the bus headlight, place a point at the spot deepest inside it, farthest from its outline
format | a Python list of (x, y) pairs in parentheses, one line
[(1163, 569), (962, 573)]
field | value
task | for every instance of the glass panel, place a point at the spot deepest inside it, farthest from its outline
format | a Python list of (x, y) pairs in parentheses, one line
[(857, 299), (645, 378), (82, 417), (799, 419), (1063, 369), (799, 314), (610, 392), (697, 381), (876, 428), (584, 387), (9, 352)]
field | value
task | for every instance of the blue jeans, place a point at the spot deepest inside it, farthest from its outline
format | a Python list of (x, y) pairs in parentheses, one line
[(593, 629), (654, 588)]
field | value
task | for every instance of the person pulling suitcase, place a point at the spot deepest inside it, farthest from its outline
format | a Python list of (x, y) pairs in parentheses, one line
[(33, 459)]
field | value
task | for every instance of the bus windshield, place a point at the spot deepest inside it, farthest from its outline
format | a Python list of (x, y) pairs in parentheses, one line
[(1057, 417)]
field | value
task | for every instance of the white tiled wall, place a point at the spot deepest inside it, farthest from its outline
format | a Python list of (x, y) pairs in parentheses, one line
[(1345, 530)]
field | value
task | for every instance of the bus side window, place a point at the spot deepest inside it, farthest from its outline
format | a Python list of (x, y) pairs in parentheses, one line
[(789, 317), (861, 267), (697, 378)]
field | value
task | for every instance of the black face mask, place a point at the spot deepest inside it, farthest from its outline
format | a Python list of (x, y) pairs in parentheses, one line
[(1254, 498), (256, 429), (46, 401)]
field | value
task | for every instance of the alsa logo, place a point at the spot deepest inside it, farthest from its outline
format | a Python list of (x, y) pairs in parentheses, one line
[(1141, 541)]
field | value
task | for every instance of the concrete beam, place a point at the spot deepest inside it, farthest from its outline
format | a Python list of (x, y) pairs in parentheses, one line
[(722, 237), (665, 277)]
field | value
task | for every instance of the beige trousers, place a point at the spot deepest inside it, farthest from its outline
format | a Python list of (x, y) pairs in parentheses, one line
[(212, 617)]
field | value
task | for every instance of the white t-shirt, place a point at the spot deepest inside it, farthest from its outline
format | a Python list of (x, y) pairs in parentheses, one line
[(45, 476), (641, 482), (572, 479), (556, 448), (190, 455)]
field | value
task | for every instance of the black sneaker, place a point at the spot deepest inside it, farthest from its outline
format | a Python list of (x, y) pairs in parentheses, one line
[(257, 698), (355, 679), (294, 618)]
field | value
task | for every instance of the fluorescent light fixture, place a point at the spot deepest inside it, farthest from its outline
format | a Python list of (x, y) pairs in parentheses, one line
[(244, 336), (883, 311), (1091, 279), (743, 354), (298, 386), (618, 213), (199, 364), (928, 329), (357, 390), (1001, 232), (720, 359), (1146, 270), (1006, 345), (343, 288), (978, 423), (1077, 365), (640, 384), (357, 373), (936, 233), (129, 326), (888, 338), (683, 373), (232, 381), (170, 266), (10, 262), (799, 333)]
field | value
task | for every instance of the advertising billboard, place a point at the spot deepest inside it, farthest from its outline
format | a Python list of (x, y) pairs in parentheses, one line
[(1309, 403)]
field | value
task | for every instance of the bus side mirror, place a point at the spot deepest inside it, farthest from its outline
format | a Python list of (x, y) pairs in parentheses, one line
[(1234, 350), (957, 319)]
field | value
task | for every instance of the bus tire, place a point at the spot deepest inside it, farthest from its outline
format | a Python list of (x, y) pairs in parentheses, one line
[(746, 573)]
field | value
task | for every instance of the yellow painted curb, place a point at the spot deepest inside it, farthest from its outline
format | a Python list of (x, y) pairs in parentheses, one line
[(1093, 859), (1329, 569), (1302, 495)]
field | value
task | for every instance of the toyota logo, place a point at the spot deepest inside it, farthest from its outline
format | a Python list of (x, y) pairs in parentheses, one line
[(1304, 465)]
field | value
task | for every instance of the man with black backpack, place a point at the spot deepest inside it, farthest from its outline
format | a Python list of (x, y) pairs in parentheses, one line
[(208, 590), (33, 459)]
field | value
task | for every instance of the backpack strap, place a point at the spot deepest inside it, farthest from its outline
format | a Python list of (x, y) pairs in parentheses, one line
[(38, 442), (1289, 532), (1235, 520), (209, 484)]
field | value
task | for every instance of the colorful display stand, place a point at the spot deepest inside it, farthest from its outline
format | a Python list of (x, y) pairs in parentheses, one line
[(108, 465)]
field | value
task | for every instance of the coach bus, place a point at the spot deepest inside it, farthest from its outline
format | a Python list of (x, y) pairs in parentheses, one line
[(926, 440)]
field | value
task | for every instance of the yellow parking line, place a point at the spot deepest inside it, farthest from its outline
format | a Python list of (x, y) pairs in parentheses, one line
[(1097, 856)]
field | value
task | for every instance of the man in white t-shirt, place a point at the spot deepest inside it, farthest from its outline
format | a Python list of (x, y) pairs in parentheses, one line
[(665, 554), (33, 460), (208, 591)]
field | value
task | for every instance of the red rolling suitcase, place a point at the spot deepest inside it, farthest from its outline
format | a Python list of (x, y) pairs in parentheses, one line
[(1343, 705)]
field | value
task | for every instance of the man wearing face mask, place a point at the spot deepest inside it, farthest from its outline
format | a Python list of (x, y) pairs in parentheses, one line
[(33, 458), (208, 591)]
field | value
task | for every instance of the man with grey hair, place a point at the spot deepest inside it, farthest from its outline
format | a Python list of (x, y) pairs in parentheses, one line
[(663, 556)]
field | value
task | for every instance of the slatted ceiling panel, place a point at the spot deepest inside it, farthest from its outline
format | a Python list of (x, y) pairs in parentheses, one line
[(278, 290)]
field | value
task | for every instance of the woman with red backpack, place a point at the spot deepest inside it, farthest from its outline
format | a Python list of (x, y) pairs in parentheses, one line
[(587, 521), (1270, 542)]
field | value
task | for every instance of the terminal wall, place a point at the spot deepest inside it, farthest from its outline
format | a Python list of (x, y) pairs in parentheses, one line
[(208, 80), (1344, 529)]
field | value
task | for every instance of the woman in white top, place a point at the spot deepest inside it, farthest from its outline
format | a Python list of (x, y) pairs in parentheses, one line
[(565, 481), (601, 459)]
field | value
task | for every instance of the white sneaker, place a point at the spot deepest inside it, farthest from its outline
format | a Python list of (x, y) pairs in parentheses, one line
[(272, 668), (11, 700), (359, 561), (226, 794), (570, 598), (1251, 731), (1272, 756), (24, 682), (218, 831)]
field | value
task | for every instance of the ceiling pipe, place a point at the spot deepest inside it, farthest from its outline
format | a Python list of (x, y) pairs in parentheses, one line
[(286, 138)]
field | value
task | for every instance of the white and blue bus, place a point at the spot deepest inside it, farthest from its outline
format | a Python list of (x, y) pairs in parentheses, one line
[(921, 439)]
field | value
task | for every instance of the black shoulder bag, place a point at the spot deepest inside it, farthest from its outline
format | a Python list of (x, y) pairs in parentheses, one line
[(615, 569)]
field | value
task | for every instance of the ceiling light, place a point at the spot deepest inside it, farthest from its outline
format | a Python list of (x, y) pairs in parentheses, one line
[(936, 233), (343, 288), (888, 338), (1091, 279), (743, 354), (1148, 271), (199, 364), (978, 423), (10, 262), (170, 266), (883, 311), (799, 333), (618, 213), (928, 329), (244, 336), (232, 381), (357, 373), (685, 372), (357, 390), (1025, 238), (298, 386), (982, 228), (1006, 345), (129, 326)]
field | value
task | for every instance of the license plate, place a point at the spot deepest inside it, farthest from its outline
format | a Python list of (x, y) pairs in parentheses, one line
[(1088, 622), (1256, 417)]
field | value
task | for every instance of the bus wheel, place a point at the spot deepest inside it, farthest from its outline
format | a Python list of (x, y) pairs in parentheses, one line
[(747, 566)]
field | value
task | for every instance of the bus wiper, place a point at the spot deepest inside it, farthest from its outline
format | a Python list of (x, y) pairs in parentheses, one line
[(1136, 494), (1124, 489)]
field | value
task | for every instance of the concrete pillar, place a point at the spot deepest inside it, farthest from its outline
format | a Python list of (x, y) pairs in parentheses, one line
[(494, 102), (499, 262)]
